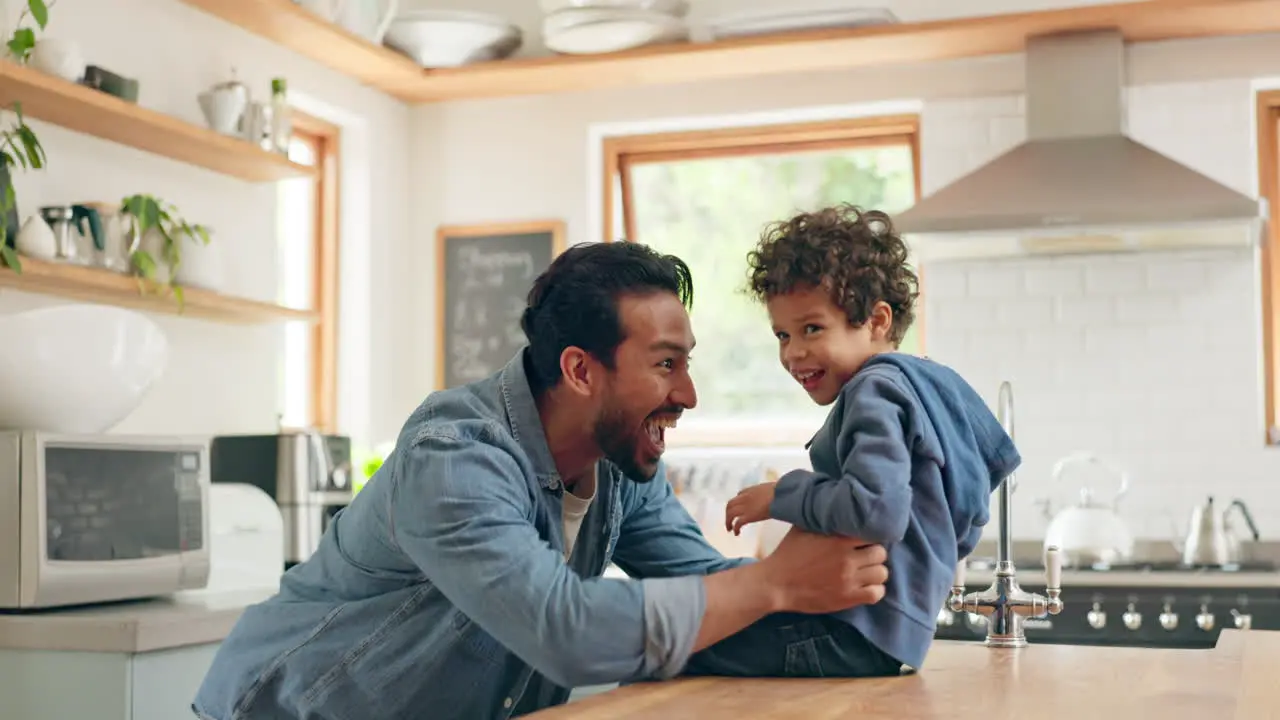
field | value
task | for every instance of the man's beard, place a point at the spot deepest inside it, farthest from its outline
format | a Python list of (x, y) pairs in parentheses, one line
[(619, 439)]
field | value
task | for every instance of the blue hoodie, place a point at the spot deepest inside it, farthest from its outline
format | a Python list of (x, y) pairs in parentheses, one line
[(908, 458)]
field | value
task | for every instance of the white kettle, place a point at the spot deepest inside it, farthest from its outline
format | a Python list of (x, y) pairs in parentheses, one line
[(1089, 533)]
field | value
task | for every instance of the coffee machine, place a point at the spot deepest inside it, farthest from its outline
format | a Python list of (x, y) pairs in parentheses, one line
[(307, 472)]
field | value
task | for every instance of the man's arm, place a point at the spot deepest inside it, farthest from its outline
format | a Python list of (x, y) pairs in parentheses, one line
[(460, 511), (871, 499), (659, 538)]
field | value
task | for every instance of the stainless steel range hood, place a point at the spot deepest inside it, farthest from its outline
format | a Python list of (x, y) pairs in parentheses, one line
[(1078, 184)]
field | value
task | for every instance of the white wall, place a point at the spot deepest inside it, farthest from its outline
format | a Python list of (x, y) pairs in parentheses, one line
[(1182, 411), (224, 378)]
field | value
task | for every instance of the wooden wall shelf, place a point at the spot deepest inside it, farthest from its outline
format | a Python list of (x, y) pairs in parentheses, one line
[(107, 288), (812, 51), (96, 113), (302, 31)]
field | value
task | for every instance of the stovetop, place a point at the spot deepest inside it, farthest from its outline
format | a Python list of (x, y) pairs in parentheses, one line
[(1139, 567), (1149, 603)]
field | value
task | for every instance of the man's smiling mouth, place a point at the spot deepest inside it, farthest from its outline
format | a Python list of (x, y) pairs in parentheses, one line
[(656, 429)]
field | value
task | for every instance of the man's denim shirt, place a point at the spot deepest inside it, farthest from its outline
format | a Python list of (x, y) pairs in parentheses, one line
[(442, 590)]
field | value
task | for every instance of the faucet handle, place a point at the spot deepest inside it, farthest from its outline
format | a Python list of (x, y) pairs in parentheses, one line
[(955, 601), (1053, 568)]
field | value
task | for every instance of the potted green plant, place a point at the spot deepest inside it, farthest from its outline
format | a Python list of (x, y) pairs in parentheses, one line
[(368, 462), (23, 39), (19, 147), (157, 231)]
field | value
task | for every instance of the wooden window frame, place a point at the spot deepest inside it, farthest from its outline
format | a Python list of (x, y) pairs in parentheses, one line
[(620, 153), (324, 299), (1268, 122)]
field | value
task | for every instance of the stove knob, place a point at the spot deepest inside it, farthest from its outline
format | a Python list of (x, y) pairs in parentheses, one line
[(1168, 618), (1244, 621), (1204, 619), (1131, 618), (1097, 617), (946, 618)]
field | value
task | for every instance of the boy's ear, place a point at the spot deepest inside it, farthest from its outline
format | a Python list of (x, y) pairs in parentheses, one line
[(881, 320)]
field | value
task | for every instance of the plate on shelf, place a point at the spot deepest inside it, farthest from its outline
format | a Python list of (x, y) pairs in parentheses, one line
[(761, 23), (592, 31), (674, 8)]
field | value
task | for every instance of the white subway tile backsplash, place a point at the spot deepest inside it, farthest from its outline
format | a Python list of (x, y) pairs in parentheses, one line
[(1072, 311), (943, 283), (961, 313), (1025, 313), (1139, 309), (1002, 345), (1176, 276), (1054, 280), (1119, 346), (1114, 275), (994, 282), (1054, 343)]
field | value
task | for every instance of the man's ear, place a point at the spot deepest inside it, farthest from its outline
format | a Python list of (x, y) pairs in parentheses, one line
[(881, 320), (579, 372)]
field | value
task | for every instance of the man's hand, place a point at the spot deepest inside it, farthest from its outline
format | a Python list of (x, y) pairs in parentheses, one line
[(821, 574), (751, 505), (807, 573)]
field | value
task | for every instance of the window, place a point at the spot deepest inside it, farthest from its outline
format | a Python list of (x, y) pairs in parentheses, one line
[(705, 196), (1269, 188), (308, 277)]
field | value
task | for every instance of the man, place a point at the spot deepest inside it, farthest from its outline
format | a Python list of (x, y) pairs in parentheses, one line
[(465, 580)]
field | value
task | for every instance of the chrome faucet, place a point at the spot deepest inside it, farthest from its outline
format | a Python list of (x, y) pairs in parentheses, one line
[(1005, 605)]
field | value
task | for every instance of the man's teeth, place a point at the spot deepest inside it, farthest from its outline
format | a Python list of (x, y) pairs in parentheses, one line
[(656, 428), (807, 374)]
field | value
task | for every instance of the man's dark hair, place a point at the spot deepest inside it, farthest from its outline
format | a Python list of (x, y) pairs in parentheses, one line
[(853, 254), (574, 303)]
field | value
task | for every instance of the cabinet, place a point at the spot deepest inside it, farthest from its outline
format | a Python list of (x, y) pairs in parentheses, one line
[(52, 685)]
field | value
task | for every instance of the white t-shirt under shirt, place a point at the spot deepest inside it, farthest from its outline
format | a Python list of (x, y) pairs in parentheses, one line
[(574, 509)]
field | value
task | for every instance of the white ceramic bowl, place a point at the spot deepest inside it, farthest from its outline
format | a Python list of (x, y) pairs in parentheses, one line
[(76, 368), (448, 38), (674, 8)]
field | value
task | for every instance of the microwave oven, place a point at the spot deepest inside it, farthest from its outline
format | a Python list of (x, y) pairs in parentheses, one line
[(99, 518)]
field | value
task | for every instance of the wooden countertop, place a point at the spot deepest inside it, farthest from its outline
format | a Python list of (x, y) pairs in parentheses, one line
[(964, 681)]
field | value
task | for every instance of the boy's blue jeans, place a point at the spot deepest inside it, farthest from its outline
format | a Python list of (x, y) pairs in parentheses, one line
[(794, 645)]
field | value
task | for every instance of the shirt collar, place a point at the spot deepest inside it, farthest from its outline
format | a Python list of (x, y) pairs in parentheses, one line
[(526, 425)]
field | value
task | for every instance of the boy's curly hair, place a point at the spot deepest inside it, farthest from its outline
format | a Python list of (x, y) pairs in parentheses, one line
[(855, 254)]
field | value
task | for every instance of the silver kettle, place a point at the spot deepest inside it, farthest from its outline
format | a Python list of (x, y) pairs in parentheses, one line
[(1210, 539)]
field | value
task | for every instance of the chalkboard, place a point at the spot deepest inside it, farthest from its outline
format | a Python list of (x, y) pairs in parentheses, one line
[(483, 276)]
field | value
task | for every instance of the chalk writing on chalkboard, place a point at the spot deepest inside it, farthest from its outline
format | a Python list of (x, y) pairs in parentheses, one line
[(484, 277)]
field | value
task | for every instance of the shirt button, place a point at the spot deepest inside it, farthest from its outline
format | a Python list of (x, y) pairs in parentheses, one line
[(506, 703)]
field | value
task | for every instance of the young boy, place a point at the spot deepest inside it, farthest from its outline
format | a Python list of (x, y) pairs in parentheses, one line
[(909, 455)]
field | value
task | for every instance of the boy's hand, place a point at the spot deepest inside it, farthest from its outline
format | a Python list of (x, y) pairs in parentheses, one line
[(751, 505)]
